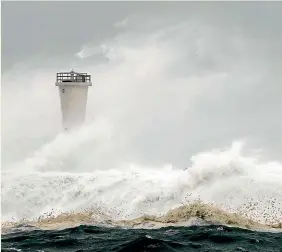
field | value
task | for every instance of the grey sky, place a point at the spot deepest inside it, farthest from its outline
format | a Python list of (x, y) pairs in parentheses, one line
[(58, 28), (164, 116)]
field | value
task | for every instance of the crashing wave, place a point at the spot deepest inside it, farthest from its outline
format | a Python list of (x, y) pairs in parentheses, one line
[(196, 213)]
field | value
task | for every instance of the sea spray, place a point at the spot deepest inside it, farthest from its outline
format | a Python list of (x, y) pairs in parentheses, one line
[(224, 178)]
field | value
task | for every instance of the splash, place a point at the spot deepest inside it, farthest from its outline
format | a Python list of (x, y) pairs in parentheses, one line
[(226, 179)]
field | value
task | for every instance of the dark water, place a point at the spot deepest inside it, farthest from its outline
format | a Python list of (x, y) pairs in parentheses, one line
[(91, 238)]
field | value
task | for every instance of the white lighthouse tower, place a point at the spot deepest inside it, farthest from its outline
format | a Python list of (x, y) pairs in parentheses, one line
[(73, 89)]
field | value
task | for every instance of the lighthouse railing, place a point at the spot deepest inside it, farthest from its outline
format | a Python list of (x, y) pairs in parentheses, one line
[(73, 77)]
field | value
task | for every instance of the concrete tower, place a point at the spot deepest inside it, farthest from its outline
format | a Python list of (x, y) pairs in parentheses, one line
[(73, 89)]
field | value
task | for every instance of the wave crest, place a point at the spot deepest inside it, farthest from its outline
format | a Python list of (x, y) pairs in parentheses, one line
[(197, 213)]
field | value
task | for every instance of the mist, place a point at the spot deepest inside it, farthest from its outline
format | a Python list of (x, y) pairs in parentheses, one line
[(167, 87)]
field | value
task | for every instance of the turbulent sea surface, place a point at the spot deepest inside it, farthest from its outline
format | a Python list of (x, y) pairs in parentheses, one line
[(193, 238)]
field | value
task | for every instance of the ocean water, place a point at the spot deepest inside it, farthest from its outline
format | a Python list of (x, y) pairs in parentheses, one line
[(193, 238)]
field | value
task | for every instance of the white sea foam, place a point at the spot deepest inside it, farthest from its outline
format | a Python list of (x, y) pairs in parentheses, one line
[(225, 178)]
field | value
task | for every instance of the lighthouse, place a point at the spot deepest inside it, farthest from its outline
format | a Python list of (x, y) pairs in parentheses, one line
[(73, 90)]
